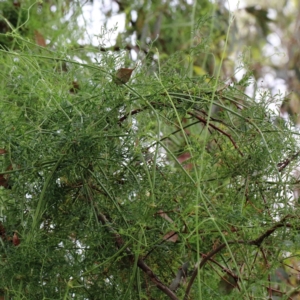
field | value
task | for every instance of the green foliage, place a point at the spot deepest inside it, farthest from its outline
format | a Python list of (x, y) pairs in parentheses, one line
[(111, 188)]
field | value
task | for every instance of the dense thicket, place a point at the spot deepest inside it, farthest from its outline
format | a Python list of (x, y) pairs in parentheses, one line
[(172, 185)]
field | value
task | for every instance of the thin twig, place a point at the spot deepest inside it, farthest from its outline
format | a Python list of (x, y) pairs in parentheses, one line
[(202, 120)]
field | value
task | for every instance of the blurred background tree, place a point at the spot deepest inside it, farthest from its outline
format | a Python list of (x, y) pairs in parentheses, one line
[(263, 39)]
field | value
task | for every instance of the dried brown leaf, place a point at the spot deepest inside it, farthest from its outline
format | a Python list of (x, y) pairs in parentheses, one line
[(15, 239), (164, 216), (2, 151), (123, 75), (171, 236), (39, 39)]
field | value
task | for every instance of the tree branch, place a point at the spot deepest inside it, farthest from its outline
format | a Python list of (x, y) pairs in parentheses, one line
[(218, 129), (282, 165), (256, 242), (140, 263)]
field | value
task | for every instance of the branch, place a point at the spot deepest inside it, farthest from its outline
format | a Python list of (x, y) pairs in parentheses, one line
[(286, 162), (218, 129), (140, 263), (278, 291), (200, 119), (259, 240), (281, 165), (133, 112), (256, 242), (226, 270)]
